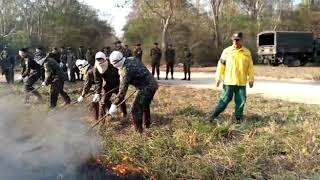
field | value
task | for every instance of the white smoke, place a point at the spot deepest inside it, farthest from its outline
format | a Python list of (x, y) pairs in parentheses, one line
[(38, 145)]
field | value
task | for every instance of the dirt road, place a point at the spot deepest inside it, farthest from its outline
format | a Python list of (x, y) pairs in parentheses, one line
[(302, 92)]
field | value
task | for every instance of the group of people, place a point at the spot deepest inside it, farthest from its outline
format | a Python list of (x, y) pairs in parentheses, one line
[(112, 71)]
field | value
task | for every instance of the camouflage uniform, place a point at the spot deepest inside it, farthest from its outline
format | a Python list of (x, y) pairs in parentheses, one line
[(187, 62), (112, 81), (127, 52), (89, 79), (55, 76), (155, 54), (7, 65), (63, 60), (72, 68), (138, 53), (37, 57), (33, 72), (81, 54), (136, 74), (90, 57), (170, 61), (107, 51)]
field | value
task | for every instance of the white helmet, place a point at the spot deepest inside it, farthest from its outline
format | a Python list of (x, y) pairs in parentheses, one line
[(101, 55), (116, 59), (81, 62)]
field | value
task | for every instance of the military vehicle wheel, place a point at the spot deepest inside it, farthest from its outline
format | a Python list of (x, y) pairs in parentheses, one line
[(290, 61)]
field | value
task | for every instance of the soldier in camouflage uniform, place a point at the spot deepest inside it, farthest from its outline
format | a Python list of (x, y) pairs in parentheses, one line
[(71, 64), (104, 71), (63, 59), (38, 55), (118, 47), (90, 57), (31, 74), (87, 70), (133, 72), (107, 51), (55, 77), (81, 54), (7, 65), (155, 54), (138, 52), (187, 62), (170, 60), (127, 51)]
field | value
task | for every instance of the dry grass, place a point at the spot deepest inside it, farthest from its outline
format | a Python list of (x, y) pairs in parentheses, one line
[(305, 73), (278, 140)]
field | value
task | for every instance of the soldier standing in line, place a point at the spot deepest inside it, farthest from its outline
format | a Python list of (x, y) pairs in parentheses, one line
[(170, 60), (7, 63), (107, 51), (133, 72), (155, 54), (87, 70), (89, 57), (127, 51), (119, 47), (105, 72), (81, 53), (63, 59), (71, 64), (38, 55), (138, 52), (187, 63), (30, 75), (54, 76), (56, 54)]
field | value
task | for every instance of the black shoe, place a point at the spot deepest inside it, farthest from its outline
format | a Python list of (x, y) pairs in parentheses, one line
[(166, 79), (184, 79), (189, 79), (172, 78)]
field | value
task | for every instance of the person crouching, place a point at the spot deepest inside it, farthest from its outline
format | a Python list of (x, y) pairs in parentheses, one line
[(55, 77), (105, 72), (133, 72)]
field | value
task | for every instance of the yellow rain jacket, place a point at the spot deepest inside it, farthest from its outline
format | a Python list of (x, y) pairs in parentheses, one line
[(235, 66)]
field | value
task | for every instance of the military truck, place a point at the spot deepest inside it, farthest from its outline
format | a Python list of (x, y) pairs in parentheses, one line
[(291, 48)]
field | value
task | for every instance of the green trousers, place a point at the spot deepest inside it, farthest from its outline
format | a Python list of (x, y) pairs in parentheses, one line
[(240, 96)]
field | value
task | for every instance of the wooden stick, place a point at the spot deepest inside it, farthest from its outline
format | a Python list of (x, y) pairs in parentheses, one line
[(103, 118)]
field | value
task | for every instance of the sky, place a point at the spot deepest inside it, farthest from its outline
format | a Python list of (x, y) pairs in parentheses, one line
[(108, 10)]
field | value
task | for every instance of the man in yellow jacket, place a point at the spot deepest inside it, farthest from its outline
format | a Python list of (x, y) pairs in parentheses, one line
[(235, 68)]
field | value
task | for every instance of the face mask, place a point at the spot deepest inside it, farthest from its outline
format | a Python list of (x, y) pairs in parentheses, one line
[(102, 67)]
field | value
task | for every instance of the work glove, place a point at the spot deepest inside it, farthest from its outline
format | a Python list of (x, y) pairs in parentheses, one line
[(96, 98), (20, 78), (113, 110), (80, 99), (43, 84)]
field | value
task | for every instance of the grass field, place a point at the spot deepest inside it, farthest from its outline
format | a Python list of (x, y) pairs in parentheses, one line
[(278, 140), (305, 73)]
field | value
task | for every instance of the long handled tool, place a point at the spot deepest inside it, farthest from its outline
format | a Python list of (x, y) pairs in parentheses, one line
[(103, 118)]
